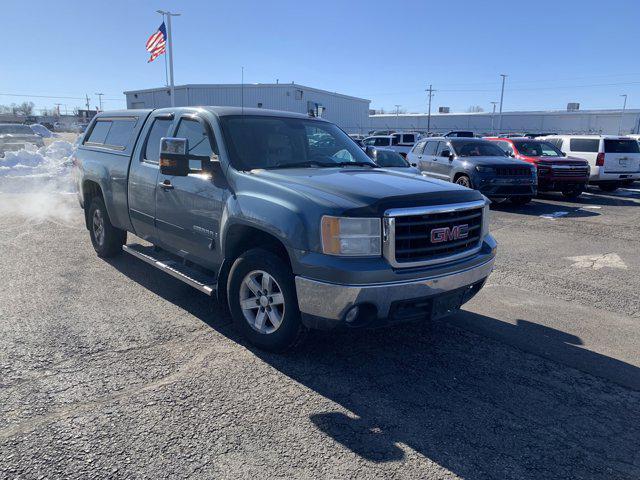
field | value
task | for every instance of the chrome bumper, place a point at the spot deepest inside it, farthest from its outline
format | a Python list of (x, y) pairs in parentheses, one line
[(331, 301)]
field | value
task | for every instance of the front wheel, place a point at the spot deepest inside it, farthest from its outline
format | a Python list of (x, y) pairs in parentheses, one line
[(520, 200), (464, 181), (262, 300), (106, 239)]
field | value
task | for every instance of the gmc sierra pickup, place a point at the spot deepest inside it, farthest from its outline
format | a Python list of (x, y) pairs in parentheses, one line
[(282, 217)]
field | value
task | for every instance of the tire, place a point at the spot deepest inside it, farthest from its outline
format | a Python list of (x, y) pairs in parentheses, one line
[(259, 323), (520, 200), (572, 194), (608, 187), (464, 181), (107, 240)]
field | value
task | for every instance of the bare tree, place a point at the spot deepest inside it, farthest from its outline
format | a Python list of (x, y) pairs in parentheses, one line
[(25, 108), (475, 109)]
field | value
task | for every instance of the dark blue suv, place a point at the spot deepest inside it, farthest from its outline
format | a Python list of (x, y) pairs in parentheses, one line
[(477, 164)]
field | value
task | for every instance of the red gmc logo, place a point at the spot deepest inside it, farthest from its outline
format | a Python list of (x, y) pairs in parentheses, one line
[(447, 234)]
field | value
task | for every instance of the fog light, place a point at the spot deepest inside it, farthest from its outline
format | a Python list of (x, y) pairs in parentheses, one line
[(352, 314)]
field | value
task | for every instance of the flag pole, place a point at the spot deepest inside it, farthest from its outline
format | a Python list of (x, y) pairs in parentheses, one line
[(170, 42)]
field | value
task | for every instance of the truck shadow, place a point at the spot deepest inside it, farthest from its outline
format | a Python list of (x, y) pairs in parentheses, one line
[(470, 404)]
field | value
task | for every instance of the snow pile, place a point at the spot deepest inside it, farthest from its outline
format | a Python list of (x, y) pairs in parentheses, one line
[(37, 182)]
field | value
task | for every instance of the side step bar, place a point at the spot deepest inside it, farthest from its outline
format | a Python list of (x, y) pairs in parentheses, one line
[(169, 264)]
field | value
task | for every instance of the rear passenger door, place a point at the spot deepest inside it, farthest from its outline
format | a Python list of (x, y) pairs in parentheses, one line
[(426, 162), (441, 166), (188, 209)]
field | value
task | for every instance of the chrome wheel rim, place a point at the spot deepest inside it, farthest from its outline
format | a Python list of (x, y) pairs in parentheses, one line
[(98, 227), (262, 302), (463, 181)]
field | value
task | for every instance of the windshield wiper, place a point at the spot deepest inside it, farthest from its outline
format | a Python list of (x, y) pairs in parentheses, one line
[(310, 163), (355, 164)]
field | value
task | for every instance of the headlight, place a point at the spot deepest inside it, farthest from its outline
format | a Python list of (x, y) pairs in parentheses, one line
[(351, 236), (483, 169), (485, 218)]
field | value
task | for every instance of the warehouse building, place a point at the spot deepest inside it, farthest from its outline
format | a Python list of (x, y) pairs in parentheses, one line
[(607, 122), (350, 113)]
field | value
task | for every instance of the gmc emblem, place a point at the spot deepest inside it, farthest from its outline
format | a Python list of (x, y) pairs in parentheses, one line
[(447, 234)]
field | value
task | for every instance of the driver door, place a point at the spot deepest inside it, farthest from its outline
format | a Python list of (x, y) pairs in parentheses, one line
[(188, 209), (441, 166)]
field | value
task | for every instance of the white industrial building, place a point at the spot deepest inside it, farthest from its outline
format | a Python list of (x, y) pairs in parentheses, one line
[(564, 121), (350, 113)]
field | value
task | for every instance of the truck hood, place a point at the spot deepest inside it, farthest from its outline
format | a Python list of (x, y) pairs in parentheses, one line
[(559, 160), (493, 161), (365, 190)]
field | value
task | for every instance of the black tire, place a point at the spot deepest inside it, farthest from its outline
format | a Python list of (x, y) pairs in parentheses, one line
[(108, 241), (290, 331), (608, 187), (464, 180), (520, 200), (572, 194)]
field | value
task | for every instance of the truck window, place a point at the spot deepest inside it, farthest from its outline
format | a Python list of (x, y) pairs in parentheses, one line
[(99, 132), (114, 132), (408, 138), (120, 133), (621, 146), (159, 129), (585, 144), (199, 143)]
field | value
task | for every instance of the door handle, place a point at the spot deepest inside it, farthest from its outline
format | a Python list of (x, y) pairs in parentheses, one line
[(166, 185)]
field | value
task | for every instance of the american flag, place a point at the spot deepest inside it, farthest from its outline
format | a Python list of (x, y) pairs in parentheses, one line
[(157, 43)]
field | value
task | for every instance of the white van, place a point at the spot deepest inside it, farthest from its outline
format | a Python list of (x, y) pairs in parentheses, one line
[(614, 160)]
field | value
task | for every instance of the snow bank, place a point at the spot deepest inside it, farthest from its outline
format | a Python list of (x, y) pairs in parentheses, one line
[(38, 183)]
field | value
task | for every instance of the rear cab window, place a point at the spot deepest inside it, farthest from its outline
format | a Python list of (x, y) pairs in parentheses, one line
[(590, 145), (620, 146), (113, 133)]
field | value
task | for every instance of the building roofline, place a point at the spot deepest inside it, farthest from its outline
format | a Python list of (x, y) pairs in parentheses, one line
[(522, 112), (246, 85)]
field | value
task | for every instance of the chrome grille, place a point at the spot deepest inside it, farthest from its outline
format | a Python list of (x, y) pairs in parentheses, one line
[(430, 235)]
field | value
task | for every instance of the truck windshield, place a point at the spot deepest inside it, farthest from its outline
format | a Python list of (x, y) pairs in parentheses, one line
[(476, 148), (255, 141), (537, 149)]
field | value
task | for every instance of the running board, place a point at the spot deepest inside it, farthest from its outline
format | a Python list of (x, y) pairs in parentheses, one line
[(169, 264)]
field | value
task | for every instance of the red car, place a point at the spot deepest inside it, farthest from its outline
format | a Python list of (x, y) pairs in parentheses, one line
[(556, 171)]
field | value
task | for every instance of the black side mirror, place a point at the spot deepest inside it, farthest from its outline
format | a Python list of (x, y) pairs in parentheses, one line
[(414, 164), (173, 156), (564, 154), (447, 154)]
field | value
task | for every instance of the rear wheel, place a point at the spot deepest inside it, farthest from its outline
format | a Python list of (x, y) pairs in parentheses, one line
[(107, 240), (608, 187), (262, 300), (520, 200), (464, 181)]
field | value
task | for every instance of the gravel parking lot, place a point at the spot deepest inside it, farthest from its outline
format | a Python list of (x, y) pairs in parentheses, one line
[(110, 369)]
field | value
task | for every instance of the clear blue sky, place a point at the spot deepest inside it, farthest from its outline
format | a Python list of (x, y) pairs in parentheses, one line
[(553, 51)]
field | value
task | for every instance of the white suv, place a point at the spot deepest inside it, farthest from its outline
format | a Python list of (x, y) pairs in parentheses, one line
[(399, 142), (614, 160)]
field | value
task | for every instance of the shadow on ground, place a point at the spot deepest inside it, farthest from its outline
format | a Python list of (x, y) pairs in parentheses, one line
[(474, 406)]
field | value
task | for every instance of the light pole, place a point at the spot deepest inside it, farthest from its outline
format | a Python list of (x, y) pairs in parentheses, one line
[(99, 99), (624, 106), (170, 42), (397, 119), (504, 77), (493, 114), (431, 90)]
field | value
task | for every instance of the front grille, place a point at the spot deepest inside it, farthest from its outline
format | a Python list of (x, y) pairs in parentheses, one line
[(413, 235), (571, 172), (513, 171)]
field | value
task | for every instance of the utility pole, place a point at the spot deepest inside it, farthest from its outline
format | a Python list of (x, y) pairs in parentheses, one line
[(397, 119), (493, 114), (99, 99), (58, 108), (624, 106), (170, 43), (431, 90), (88, 104), (504, 77)]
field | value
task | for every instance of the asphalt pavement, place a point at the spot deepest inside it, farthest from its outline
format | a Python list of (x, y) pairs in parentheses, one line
[(110, 369)]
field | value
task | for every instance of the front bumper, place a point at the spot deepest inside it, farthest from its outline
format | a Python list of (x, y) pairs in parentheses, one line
[(324, 305), (501, 187)]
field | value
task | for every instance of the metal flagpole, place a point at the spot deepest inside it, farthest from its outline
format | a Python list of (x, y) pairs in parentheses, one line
[(170, 42)]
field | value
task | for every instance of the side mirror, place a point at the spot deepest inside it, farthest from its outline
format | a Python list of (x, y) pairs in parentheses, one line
[(414, 164), (173, 156), (564, 154), (370, 151)]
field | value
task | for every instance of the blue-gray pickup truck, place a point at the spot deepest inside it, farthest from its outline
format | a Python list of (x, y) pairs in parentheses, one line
[(282, 217)]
